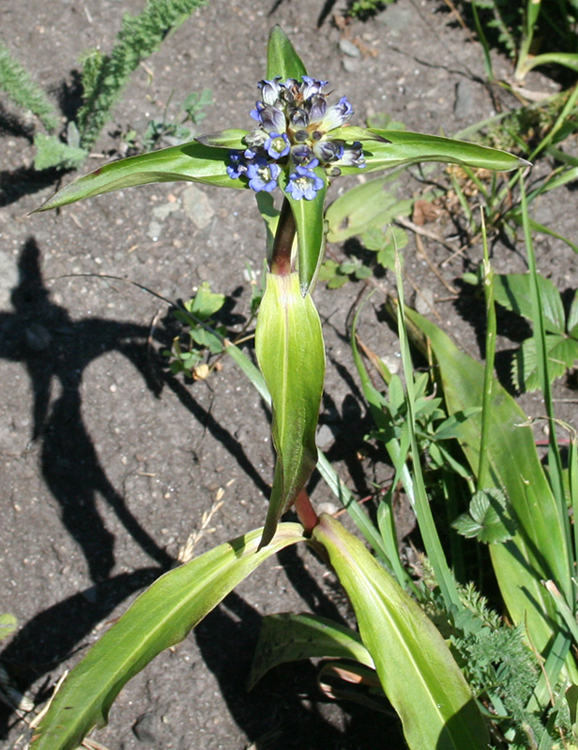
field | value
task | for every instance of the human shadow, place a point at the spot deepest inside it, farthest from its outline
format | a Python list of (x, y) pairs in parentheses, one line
[(55, 349)]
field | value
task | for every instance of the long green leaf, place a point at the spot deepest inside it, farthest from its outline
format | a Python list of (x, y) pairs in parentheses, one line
[(160, 617), (190, 162), (310, 231), (410, 148), (567, 59), (288, 637), (538, 550), (282, 60), (291, 355), (363, 207), (416, 669)]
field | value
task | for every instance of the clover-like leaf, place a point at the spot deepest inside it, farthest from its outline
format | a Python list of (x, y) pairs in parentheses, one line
[(488, 519)]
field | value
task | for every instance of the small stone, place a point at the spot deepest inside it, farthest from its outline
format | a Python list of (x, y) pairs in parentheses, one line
[(349, 65), (348, 48), (330, 508), (161, 212), (154, 230), (38, 337), (424, 301), (324, 436), (8, 278), (143, 728), (90, 594), (465, 99), (395, 17), (197, 207)]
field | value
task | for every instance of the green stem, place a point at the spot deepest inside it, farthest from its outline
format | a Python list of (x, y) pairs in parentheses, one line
[(491, 328), (283, 243)]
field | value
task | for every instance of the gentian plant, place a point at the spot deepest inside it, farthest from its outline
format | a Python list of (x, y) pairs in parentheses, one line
[(301, 142)]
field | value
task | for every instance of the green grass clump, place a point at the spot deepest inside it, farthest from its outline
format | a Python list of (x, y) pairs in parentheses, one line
[(104, 76), (21, 89)]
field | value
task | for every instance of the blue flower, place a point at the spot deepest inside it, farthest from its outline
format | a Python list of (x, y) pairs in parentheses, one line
[(304, 183), (271, 118), (294, 128), (262, 175), (329, 151), (270, 90), (337, 115), (311, 86), (352, 156), (238, 166), (277, 145)]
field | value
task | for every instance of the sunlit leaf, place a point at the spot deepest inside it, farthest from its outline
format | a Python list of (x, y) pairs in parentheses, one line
[(282, 60), (487, 519), (310, 230), (291, 355), (538, 550), (364, 207), (159, 618), (411, 148), (567, 59), (8, 624), (190, 162), (417, 671)]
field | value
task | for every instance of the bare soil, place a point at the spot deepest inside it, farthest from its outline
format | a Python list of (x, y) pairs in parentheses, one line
[(107, 462)]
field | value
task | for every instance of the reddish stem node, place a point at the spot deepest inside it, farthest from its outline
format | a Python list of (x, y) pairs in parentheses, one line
[(305, 512), (281, 258)]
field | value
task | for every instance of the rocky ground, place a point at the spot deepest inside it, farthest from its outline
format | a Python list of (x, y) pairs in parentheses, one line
[(107, 462)]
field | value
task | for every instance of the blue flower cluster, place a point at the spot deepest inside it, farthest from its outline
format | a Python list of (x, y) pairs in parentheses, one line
[(294, 135)]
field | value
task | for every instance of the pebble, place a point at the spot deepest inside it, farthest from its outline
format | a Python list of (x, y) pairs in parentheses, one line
[(8, 278), (161, 212), (38, 337), (154, 230), (143, 728), (348, 48), (424, 301), (324, 436), (395, 17), (197, 207), (350, 65), (465, 99)]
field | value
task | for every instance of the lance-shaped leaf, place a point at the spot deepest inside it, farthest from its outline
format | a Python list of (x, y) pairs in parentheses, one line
[(538, 549), (310, 230), (417, 671), (288, 637), (160, 617), (291, 355), (410, 148), (191, 162), (282, 60)]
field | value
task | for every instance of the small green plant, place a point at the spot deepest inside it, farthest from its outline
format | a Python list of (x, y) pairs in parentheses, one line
[(21, 89), (197, 316), (364, 9), (104, 77), (301, 143), (521, 29), (512, 291), (163, 131)]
